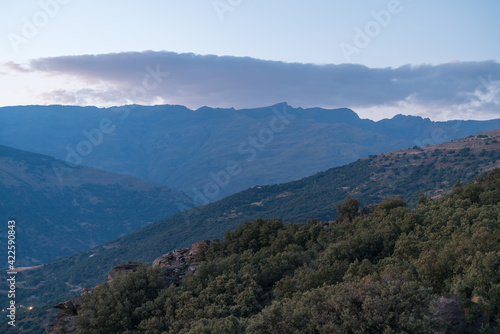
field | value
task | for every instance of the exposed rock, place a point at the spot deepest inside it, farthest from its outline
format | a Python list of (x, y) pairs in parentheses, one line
[(195, 248), (123, 269), (175, 264), (180, 262), (66, 318)]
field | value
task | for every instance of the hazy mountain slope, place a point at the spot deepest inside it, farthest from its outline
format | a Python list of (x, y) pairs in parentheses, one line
[(432, 170), (61, 209), (192, 150)]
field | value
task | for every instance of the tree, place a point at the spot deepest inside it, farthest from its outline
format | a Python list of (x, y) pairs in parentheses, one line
[(112, 307), (388, 304), (348, 210)]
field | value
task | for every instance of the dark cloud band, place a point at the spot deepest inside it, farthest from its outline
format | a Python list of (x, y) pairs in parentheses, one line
[(197, 80)]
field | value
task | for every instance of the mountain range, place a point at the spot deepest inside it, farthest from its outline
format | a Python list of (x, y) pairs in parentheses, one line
[(210, 153), (63, 207)]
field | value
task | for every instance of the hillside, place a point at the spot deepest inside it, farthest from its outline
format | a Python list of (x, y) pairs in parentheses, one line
[(432, 170), (434, 268), (192, 150), (396, 270), (62, 209)]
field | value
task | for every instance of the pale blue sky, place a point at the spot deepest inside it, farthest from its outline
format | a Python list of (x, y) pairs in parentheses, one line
[(288, 30), (418, 32)]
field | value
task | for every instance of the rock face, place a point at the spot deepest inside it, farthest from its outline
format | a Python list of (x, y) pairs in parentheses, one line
[(175, 265), (123, 269), (66, 318), (180, 262)]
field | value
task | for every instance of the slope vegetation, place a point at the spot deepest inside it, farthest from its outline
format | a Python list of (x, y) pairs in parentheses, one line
[(377, 273), (62, 209), (431, 170), (432, 269)]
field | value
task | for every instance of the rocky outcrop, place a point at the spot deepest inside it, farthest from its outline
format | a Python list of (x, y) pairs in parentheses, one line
[(180, 262), (175, 265), (66, 318), (123, 269)]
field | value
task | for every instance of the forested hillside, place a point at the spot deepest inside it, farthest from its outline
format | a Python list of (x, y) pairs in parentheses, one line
[(376, 273), (432, 170)]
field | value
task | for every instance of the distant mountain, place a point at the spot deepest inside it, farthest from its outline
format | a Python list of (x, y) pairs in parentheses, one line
[(61, 209), (211, 153), (432, 170)]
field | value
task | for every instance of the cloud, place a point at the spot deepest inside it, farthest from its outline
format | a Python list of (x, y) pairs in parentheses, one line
[(240, 82), (16, 67)]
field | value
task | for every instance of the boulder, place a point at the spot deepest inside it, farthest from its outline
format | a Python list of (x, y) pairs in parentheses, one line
[(180, 261), (66, 318), (123, 269)]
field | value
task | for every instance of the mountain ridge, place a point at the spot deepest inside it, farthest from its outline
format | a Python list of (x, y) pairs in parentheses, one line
[(181, 148)]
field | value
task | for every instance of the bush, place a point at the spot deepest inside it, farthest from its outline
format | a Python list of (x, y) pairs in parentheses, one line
[(388, 304), (112, 307)]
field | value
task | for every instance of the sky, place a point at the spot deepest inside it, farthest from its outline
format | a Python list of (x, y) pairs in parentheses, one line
[(380, 58)]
